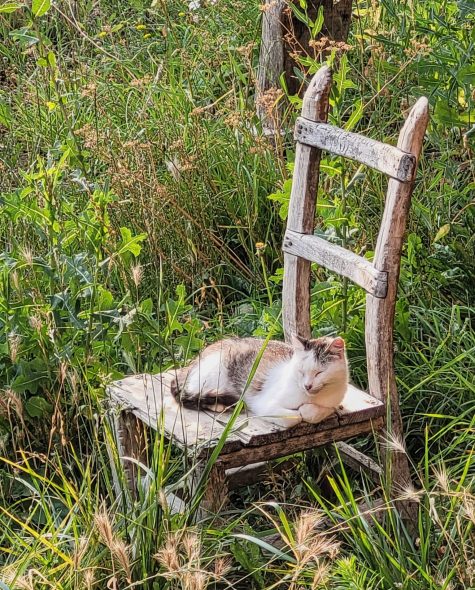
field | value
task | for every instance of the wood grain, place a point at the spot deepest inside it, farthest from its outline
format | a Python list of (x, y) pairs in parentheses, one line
[(383, 157), (380, 312), (337, 259), (297, 444), (148, 397), (296, 285), (359, 461)]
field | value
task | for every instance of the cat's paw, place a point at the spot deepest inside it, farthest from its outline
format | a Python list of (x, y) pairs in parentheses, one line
[(313, 413)]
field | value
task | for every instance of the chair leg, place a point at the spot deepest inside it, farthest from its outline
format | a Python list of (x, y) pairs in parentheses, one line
[(131, 444), (216, 493)]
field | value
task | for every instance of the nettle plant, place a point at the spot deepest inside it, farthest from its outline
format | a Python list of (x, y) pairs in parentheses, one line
[(71, 315)]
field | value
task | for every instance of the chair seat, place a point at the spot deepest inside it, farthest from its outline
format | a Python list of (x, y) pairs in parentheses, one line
[(148, 397)]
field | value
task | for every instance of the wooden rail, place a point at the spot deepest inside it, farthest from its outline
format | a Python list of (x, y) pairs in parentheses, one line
[(337, 259), (383, 157)]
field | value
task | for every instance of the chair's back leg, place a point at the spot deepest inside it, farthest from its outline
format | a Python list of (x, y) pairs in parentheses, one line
[(380, 312), (296, 286)]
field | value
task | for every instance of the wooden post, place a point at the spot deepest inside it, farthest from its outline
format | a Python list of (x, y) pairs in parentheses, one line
[(271, 60), (380, 312), (283, 37), (296, 286)]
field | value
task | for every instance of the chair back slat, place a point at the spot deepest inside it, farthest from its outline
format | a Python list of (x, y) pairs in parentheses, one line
[(385, 158), (337, 259)]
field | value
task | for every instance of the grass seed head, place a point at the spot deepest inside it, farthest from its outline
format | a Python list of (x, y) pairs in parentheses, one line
[(103, 525), (120, 552), (89, 578)]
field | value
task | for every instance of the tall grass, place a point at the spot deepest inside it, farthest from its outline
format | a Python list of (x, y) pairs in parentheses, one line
[(134, 191)]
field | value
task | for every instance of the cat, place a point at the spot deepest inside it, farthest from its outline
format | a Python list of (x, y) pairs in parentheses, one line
[(305, 380)]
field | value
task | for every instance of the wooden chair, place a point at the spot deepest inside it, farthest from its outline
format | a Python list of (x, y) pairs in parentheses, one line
[(145, 400)]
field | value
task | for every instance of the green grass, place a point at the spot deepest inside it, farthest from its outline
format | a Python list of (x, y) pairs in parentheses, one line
[(134, 189)]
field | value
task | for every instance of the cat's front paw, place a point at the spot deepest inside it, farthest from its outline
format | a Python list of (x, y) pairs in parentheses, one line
[(313, 413)]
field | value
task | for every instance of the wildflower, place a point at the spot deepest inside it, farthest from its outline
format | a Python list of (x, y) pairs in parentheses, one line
[(268, 100), (194, 5), (140, 27), (260, 247), (141, 82), (268, 6), (89, 90)]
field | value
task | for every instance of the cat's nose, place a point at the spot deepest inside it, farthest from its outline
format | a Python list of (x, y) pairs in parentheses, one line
[(308, 386)]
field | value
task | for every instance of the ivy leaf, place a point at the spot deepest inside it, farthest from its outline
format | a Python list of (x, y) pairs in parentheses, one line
[(40, 7)]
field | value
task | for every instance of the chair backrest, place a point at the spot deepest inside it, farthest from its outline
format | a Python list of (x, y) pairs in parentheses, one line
[(301, 247)]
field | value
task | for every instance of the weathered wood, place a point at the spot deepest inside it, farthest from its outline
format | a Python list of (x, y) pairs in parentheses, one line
[(246, 475), (297, 444), (359, 461), (216, 494), (337, 259), (386, 158), (296, 285), (271, 60), (380, 312), (148, 397), (131, 444)]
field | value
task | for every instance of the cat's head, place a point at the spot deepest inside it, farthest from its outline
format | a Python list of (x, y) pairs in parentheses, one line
[(319, 362)]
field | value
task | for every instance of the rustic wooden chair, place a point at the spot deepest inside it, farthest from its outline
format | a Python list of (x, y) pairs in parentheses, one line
[(144, 401)]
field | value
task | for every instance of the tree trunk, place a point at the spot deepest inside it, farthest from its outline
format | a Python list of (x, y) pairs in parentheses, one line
[(284, 38)]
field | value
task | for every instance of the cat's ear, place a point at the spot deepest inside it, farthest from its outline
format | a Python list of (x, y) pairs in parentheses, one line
[(338, 347), (298, 342)]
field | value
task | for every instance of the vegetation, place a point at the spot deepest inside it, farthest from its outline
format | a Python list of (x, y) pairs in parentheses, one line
[(142, 214)]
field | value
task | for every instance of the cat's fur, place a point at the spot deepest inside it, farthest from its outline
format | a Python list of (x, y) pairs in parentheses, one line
[(303, 381)]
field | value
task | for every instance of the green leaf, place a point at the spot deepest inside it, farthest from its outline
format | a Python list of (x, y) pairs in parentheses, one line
[(5, 114), (9, 7), (40, 7), (38, 407), (51, 59), (443, 231), (267, 546), (130, 243), (24, 36), (355, 116), (318, 24), (466, 74), (449, 116)]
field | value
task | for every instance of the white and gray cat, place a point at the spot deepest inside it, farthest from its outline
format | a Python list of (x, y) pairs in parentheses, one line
[(305, 380)]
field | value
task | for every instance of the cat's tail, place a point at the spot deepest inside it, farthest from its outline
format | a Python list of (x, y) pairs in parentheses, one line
[(215, 400)]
